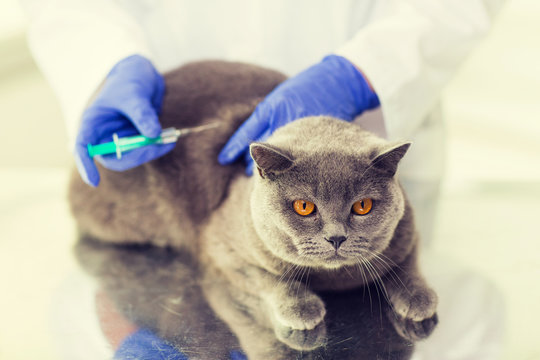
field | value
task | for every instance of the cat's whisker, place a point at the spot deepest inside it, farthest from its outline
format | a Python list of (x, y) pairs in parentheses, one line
[(287, 274), (308, 280), (294, 277), (288, 271), (389, 260), (291, 270), (377, 282), (348, 272), (360, 265), (300, 283), (390, 270), (296, 281), (380, 281)]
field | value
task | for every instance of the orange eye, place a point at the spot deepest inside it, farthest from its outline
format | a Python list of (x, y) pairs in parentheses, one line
[(362, 207), (303, 207)]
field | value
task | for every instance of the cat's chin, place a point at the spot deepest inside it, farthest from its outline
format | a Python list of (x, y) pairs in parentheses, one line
[(336, 261)]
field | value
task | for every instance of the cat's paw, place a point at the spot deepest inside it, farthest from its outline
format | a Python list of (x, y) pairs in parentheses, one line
[(303, 312), (414, 313), (414, 330), (304, 340), (417, 305)]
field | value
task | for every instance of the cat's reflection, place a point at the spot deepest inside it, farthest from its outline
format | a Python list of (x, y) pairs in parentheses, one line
[(160, 289)]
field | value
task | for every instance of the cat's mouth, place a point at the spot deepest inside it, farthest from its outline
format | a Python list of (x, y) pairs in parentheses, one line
[(331, 259), (336, 258)]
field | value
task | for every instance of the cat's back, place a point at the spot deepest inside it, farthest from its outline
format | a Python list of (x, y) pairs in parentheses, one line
[(164, 201)]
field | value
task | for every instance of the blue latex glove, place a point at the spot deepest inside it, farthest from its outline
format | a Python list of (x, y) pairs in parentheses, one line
[(143, 344), (128, 104), (333, 87)]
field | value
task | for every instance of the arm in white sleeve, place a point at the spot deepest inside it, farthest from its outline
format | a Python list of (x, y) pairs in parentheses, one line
[(411, 48), (76, 43)]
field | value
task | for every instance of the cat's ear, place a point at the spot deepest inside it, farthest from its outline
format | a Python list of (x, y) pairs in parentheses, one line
[(387, 161), (269, 159)]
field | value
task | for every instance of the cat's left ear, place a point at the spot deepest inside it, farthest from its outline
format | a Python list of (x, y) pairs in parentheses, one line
[(269, 159), (388, 161)]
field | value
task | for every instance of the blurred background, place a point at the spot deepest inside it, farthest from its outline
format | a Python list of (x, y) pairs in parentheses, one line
[(488, 218)]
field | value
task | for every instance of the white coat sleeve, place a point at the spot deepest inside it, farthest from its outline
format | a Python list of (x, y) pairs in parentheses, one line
[(411, 48), (75, 43)]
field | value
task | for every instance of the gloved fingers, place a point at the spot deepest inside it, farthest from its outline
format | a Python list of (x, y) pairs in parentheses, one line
[(100, 123), (135, 157), (85, 165), (239, 142), (141, 113), (265, 135)]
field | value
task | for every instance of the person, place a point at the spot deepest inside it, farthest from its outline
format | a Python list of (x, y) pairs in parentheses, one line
[(104, 60)]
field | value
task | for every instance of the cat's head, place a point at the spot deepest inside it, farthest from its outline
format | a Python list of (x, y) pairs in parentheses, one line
[(325, 192)]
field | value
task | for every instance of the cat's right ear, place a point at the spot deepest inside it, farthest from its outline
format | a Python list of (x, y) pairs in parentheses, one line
[(387, 161), (269, 159)]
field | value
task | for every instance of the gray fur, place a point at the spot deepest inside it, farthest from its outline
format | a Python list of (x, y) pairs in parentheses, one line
[(261, 263)]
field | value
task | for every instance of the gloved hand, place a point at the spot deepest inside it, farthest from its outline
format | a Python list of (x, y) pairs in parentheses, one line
[(333, 87), (128, 104)]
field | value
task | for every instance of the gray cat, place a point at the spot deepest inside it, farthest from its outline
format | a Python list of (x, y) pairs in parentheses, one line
[(324, 212)]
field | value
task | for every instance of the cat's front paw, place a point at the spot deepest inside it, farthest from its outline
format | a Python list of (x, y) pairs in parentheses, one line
[(414, 330), (302, 312), (298, 319), (417, 305), (414, 313)]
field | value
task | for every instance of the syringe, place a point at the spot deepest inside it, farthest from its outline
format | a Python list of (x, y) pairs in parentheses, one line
[(120, 145)]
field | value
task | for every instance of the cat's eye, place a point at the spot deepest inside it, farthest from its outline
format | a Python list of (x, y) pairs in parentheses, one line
[(303, 207), (362, 207)]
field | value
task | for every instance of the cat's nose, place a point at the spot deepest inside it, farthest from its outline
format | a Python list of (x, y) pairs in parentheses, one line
[(336, 241)]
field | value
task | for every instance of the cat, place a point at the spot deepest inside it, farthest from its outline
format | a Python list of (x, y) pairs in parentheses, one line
[(324, 211)]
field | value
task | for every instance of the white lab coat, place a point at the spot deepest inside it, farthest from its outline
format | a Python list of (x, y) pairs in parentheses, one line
[(408, 49)]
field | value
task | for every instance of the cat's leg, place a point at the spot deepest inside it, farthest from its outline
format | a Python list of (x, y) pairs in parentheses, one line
[(295, 312), (413, 304), (297, 315)]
